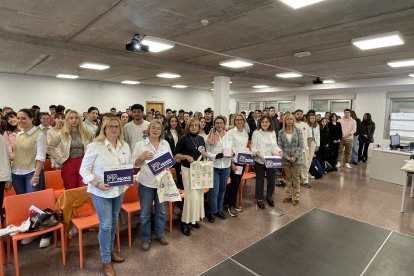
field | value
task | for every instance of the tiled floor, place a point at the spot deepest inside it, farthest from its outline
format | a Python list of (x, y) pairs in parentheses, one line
[(349, 193)]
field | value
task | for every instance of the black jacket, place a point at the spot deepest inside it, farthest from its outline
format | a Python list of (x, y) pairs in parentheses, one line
[(367, 129)]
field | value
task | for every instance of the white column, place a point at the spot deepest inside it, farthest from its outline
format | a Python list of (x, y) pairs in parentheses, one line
[(222, 96)]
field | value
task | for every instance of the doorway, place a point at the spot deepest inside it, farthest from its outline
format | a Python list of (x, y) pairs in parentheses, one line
[(157, 106)]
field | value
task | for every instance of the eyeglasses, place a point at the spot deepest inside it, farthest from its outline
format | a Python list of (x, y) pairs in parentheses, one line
[(114, 126), (196, 125)]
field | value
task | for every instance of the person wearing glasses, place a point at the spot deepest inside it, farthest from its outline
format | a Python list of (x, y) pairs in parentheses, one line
[(109, 150), (189, 147)]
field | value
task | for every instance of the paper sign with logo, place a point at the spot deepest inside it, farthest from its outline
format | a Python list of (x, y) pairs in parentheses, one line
[(120, 175), (161, 162), (273, 162), (227, 151), (245, 158)]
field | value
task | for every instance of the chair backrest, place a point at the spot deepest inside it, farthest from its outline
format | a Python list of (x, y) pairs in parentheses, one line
[(53, 180), (47, 165), (17, 206), (131, 195)]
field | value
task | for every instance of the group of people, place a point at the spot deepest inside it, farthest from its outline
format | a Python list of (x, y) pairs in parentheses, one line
[(83, 147)]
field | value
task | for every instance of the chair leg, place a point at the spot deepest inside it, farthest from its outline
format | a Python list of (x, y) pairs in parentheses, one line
[(129, 230), (170, 204), (8, 259), (241, 191), (63, 241), (55, 237), (16, 258), (80, 248), (2, 261), (118, 240)]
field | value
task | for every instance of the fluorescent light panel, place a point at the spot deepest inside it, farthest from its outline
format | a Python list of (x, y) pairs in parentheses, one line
[(130, 82), (179, 86), (260, 86), (67, 76), (229, 82), (378, 41), (411, 75), (236, 63), (297, 4), (401, 63), (156, 44), (94, 66), (328, 81), (289, 75), (168, 75)]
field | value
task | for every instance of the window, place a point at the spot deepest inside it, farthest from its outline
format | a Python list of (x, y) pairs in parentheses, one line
[(401, 118), (337, 106), (284, 106), (281, 106)]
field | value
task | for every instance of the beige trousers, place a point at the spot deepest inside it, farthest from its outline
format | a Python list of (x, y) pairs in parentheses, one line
[(292, 172), (345, 145)]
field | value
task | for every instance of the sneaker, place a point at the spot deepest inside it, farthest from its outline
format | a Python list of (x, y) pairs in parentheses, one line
[(354, 162), (261, 204), (221, 215), (145, 245), (210, 218), (306, 185), (311, 176), (162, 240), (28, 240), (287, 200), (238, 208), (348, 166), (232, 212), (338, 165), (295, 202), (44, 242)]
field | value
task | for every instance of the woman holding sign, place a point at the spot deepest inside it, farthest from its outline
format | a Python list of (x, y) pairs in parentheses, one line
[(290, 140), (108, 152), (264, 143), (189, 148), (239, 137), (147, 188)]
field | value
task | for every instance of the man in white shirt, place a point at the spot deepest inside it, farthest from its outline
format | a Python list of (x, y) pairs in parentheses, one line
[(307, 140), (44, 122), (137, 129), (90, 122)]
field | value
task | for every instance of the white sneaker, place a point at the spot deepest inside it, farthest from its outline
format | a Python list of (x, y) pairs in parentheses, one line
[(44, 242), (348, 166), (338, 165), (28, 240)]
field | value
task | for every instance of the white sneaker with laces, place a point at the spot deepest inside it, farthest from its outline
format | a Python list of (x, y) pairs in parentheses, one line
[(28, 240), (44, 242), (348, 166), (338, 165)]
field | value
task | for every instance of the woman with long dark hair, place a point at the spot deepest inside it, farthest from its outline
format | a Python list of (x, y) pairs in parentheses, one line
[(11, 130), (323, 153), (335, 132), (366, 137), (173, 132)]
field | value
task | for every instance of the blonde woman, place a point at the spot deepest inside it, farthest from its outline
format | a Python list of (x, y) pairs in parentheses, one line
[(109, 150), (290, 140), (73, 140)]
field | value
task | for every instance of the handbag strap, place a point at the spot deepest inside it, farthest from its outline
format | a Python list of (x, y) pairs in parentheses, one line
[(199, 158)]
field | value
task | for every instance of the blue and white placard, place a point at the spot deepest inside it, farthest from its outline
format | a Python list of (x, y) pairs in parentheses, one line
[(245, 158), (273, 162), (120, 175), (161, 162)]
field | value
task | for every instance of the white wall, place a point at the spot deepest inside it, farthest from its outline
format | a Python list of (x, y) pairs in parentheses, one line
[(20, 91)]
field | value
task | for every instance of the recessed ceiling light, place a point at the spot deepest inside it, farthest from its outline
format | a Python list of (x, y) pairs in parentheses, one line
[(179, 86), (156, 44), (411, 75), (229, 82), (328, 81), (236, 63), (130, 82), (401, 63), (94, 66), (378, 41), (260, 86), (168, 75), (297, 4), (67, 76), (289, 75), (212, 89)]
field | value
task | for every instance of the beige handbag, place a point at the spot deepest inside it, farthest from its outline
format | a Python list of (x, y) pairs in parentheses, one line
[(167, 190), (201, 174)]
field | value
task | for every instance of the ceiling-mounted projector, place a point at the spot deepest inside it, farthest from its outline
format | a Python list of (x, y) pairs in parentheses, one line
[(136, 46), (317, 81)]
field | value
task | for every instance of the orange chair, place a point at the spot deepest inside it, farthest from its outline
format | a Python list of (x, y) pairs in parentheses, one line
[(17, 208), (47, 165), (53, 180), (86, 217), (131, 205), (2, 260), (246, 175)]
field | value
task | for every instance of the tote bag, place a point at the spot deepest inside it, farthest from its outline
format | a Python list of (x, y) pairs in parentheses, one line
[(167, 190), (201, 174)]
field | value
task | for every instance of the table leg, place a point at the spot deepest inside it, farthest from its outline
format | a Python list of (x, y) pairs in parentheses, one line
[(403, 194), (412, 185)]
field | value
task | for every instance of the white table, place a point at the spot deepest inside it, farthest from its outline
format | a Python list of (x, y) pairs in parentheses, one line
[(386, 165)]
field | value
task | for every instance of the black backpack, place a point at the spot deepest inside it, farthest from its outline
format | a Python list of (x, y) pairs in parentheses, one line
[(315, 171)]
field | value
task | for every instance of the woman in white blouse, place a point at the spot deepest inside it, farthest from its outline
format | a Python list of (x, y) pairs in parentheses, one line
[(264, 143), (216, 142), (239, 137), (147, 189), (316, 136), (109, 150)]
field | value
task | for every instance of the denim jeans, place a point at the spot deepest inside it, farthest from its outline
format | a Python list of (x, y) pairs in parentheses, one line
[(216, 195), (21, 183), (108, 213), (147, 196), (355, 147)]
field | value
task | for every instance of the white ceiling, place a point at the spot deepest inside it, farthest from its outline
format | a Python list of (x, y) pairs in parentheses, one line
[(49, 37)]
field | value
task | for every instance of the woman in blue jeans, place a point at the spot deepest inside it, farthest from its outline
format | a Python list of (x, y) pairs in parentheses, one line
[(147, 189), (217, 142), (109, 150)]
